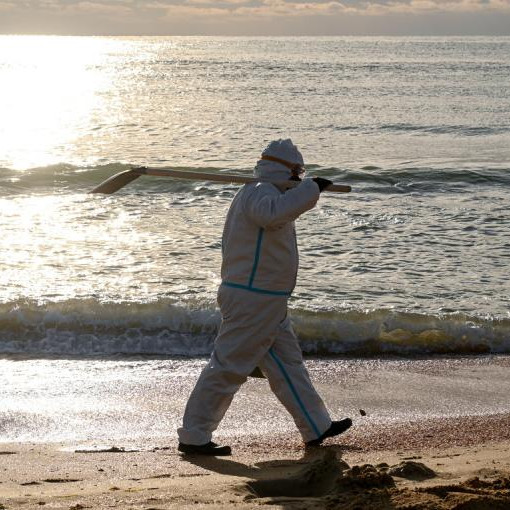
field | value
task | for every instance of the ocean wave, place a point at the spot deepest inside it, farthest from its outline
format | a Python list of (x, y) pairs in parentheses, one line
[(62, 177), (411, 179), (66, 178), (456, 130), (164, 327)]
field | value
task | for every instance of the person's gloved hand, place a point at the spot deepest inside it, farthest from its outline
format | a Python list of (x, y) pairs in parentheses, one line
[(322, 183)]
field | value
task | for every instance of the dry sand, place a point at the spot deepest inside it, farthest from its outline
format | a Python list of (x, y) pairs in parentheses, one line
[(441, 464)]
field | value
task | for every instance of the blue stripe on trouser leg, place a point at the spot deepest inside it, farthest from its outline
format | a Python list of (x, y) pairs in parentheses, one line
[(294, 392)]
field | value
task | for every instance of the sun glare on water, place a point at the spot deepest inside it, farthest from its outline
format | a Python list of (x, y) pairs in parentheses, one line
[(50, 89)]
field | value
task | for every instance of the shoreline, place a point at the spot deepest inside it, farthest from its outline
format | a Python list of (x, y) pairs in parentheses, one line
[(468, 456)]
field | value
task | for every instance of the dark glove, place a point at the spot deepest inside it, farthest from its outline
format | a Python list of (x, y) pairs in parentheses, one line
[(322, 183)]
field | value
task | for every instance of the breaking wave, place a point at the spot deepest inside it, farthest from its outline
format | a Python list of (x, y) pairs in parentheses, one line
[(165, 328), (456, 130), (66, 178)]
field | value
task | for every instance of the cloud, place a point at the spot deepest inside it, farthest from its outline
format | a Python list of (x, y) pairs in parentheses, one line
[(353, 7), (102, 8), (225, 4), (289, 8), (267, 8), (327, 7), (7, 6), (431, 6), (96, 6), (251, 16)]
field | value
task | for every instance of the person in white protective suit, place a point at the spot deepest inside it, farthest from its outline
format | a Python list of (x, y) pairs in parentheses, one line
[(259, 269)]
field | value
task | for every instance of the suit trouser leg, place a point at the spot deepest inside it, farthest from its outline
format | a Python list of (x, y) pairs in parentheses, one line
[(254, 332), (289, 380)]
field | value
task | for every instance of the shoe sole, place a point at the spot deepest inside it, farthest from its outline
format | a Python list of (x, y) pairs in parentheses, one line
[(208, 452)]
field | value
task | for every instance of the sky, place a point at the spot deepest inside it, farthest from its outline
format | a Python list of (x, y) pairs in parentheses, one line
[(255, 17)]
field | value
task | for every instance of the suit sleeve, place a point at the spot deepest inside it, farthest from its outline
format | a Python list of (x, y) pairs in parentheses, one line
[(268, 208)]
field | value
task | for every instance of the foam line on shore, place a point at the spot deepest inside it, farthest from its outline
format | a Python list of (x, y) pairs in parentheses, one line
[(166, 327)]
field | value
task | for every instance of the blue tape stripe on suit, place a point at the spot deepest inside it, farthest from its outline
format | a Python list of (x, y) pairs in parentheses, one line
[(294, 392), (257, 256), (254, 289)]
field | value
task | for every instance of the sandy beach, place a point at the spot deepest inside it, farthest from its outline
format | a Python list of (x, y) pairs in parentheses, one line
[(428, 434), (438, 464)]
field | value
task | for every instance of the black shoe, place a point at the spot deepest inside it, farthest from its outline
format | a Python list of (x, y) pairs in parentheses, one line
[(337, 427), (210, 448)]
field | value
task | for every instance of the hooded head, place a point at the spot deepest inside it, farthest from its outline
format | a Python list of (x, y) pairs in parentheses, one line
[(280, 160)]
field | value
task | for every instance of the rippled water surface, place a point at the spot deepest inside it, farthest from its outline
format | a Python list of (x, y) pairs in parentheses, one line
[(413, 260)]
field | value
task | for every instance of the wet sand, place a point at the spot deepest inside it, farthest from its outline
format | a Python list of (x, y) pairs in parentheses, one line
[(438, 464), (141, 401), (435, 434)]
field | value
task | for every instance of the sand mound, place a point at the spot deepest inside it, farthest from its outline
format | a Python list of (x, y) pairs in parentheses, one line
[(363, 477), (317, 479), (330, 483), (412, 471)]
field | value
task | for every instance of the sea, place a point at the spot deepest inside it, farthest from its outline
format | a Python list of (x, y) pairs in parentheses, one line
[(412, 264)]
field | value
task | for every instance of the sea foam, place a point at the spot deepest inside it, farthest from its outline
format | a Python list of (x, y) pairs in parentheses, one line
[(167, 328)]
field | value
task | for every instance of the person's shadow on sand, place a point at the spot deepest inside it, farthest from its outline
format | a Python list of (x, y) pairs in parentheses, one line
[(286, 482)]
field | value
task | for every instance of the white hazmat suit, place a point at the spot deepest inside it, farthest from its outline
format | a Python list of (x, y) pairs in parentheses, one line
[(259, 269)]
